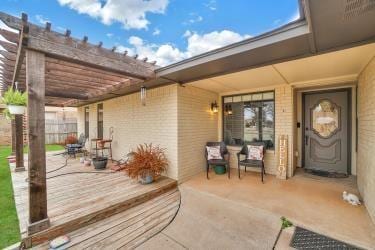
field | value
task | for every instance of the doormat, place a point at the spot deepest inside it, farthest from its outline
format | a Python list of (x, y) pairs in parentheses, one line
[(326, 173), (305, 239)]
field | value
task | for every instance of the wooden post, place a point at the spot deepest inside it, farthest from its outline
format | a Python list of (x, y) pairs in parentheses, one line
[(13, 126), (19, 143), (35, 79)]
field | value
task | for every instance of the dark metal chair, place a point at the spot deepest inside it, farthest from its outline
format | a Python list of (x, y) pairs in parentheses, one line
[(73, 149), (251, 163), (221, 162)]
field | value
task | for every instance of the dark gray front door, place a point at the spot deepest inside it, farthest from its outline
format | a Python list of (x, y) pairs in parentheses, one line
[(326, 131)]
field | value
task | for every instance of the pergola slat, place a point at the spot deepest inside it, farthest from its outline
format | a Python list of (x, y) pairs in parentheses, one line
[(10, 47), (8, 35)]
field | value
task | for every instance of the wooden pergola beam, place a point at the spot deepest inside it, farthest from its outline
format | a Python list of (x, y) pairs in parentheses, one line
[(65, 94), (60, 46), (23, 40), (35, 68), (9, 35), (18, 120)]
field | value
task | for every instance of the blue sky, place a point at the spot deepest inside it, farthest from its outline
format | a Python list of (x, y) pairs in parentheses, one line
[(162, 30)]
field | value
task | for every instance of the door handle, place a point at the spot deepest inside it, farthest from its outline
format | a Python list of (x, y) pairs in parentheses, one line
[(306, 140)]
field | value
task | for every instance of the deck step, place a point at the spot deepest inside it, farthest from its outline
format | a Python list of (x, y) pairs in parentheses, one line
[(127, 229), (114, 207)]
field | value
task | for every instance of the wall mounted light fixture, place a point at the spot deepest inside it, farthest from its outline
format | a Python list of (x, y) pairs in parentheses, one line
[(228, 109), (143, 95), (214, 107)]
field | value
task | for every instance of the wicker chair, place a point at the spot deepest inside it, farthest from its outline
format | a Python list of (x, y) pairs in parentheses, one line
[(251, 163), (224, 154)]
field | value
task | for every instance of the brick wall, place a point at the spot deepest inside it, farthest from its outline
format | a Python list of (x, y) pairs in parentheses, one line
[(366, 137), (196, 126), (134, 124), (5, 130)]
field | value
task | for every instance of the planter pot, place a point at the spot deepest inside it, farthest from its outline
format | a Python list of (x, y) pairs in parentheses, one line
[(220, 170), (16, 110), (100, 162), (87, 163), (147, 179)]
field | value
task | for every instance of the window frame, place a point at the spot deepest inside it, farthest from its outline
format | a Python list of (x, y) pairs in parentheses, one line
[(263, 100), (100, 126), (87, 121)]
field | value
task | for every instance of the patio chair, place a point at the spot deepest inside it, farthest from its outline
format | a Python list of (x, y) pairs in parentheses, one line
[(249, 162), (73, 149), (218, 162)]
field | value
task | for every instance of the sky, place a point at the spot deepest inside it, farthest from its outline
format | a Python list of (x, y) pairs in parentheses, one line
[(165, 31)]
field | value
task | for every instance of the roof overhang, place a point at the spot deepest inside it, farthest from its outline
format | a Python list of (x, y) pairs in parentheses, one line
[(326, 26)]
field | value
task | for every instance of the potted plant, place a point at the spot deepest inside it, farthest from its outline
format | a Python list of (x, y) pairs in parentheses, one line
[(15, 100), (100, 162), (147, 163)]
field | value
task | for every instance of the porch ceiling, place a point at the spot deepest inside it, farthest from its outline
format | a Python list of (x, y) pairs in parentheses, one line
[(342, 66)]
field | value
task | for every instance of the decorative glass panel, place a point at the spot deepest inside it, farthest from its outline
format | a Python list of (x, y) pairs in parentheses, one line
[(237, 98), (228, 99), (246, 98), (257, 97), (268, 96), (325, 118)]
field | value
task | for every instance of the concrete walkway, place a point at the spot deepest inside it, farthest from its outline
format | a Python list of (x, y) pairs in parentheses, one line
[(245, 214), (205, 221)]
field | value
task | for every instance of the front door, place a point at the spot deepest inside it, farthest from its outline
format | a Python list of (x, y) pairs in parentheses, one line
[(326, 126)]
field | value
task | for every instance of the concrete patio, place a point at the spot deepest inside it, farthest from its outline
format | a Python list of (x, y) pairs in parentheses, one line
[(243, 214)]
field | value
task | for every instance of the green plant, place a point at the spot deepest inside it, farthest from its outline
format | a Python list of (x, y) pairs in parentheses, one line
[(146, 160), (14, 97), (7, 114), (285, 223)]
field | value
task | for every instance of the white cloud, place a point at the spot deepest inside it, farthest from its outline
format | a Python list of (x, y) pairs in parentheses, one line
[(166, 54), (156, 32), (131, 13), (110, 35), (194, 18), (41, 19), (211, 5), (198, 44)]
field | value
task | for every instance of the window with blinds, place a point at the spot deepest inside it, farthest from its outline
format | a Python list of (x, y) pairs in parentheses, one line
[(249, 118)]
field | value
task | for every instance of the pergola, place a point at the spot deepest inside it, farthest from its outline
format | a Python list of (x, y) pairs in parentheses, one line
[(56, 69)]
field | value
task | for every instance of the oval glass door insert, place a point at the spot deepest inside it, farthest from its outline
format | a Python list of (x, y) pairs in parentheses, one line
[(325, 118)]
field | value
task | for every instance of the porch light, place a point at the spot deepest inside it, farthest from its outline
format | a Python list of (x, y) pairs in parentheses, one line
[(143, 95), (214, 107), (228, 109)]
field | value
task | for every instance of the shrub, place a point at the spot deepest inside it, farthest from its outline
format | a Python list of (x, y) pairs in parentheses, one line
[(146, 159), (71, 139), (14, 97)]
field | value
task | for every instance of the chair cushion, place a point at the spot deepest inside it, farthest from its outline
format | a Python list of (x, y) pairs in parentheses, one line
[(213, 153), (255, 152)]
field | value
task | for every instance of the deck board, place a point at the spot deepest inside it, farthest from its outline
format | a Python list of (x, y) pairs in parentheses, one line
[(76, 200), (128, 229)]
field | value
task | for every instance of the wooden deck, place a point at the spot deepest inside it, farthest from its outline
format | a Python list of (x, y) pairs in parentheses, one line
[(79, 196)]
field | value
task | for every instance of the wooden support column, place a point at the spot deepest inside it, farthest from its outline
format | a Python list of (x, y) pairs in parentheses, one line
[(35, 78), (13, 127), (19, 143)]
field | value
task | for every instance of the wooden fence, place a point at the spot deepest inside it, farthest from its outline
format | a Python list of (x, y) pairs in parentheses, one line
[(58, 130)]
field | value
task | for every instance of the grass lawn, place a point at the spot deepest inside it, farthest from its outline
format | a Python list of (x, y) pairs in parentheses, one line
[(9, 229)]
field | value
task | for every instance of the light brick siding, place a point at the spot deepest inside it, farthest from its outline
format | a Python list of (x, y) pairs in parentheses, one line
[(180, 120), (366, 137), (134, 124), (5, 130), (196, 126)]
